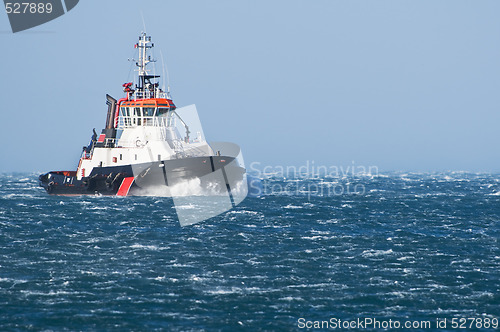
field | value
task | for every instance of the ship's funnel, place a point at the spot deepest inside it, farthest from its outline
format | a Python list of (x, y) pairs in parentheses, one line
[(110, 119)]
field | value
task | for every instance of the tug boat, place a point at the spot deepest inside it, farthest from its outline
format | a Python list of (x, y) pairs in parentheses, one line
[(147, 147)]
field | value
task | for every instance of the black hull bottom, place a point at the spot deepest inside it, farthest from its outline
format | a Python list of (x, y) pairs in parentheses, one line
[(155, 178)]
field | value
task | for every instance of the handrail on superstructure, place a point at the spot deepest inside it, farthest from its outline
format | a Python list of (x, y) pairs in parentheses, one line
[(156, 93), (146, 121)]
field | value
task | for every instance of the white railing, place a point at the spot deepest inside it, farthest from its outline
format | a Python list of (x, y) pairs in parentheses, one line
[(147, 94), (137, 121)]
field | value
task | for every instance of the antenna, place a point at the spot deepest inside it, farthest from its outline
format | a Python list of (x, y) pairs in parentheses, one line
[(168, 76), (143, 22)]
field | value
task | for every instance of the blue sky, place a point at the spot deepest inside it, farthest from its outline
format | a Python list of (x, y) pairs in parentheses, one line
[(402, 85)]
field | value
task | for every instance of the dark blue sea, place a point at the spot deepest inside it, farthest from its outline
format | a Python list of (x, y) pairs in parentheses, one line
[(406, 249)]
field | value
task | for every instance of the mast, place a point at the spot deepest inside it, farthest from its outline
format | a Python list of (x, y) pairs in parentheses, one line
[(145, 88)]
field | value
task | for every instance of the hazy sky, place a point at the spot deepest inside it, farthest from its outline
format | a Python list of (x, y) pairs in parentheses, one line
[(403, 85)]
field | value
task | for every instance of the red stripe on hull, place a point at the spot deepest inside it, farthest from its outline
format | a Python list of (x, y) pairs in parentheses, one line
[(125, 186)]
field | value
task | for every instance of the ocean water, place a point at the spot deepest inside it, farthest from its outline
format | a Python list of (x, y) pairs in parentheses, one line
[(399, 247)]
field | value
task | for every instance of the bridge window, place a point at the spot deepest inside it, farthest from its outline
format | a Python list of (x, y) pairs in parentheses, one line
[(125, 111), (148, 111), (162, 110)]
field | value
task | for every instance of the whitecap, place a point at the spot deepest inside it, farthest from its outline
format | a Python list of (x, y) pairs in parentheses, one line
[(185, 207), (376, 253), (224, 291), (140, 246), (316, 237), (289, 298)]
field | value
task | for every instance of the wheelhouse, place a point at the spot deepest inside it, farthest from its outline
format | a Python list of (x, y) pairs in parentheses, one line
[(148, 112)]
